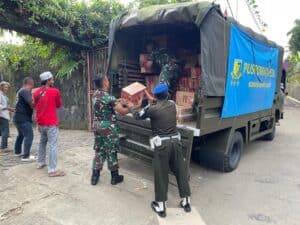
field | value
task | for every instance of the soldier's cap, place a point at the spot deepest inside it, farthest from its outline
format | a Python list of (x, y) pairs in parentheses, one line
[(46, 75), (160, 88)]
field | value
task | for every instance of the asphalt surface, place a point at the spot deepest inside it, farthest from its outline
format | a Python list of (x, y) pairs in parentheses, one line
[(265, 188)]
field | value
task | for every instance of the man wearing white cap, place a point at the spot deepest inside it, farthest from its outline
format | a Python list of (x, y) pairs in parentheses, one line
[(47, 99)]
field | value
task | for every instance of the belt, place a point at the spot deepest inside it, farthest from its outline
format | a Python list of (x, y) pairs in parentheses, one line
[(156, 141), (171, 137)]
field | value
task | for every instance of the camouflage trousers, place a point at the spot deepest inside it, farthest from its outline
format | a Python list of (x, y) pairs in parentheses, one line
[(106, 146), (169, 75)]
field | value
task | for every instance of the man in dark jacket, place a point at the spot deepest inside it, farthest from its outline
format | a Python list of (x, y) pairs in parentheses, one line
[(23, 119)]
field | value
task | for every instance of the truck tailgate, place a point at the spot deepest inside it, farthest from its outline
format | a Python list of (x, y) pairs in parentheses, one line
[(135, 136)]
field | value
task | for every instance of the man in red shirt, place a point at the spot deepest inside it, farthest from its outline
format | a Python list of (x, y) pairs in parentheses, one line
[(47, 99)]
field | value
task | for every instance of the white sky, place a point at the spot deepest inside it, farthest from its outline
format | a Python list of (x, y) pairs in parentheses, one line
[(11, 38), (279, 15)]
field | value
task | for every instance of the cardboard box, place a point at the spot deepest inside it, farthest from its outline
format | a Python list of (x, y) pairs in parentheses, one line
[(186, 118), (195, 72), (193, 84), (188, 84), (185, 114), (184, 98), (181, 110), (182, 84), (133, 92)]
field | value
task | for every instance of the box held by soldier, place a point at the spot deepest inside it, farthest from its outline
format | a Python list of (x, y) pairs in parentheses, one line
[(133, 92)]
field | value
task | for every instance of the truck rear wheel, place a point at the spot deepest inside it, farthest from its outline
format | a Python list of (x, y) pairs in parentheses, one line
[(232, 157), (221, 151)]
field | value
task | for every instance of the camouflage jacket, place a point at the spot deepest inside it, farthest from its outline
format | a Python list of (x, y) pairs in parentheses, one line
[(103, 107), (161, 57)]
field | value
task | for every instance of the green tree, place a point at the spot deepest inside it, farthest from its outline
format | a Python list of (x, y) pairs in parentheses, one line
[(294, 55), (34, 56), (294, 41), (66, 19), (75, 19)]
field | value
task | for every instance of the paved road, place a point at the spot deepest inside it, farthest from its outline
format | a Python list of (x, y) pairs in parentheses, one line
[(265, 189)]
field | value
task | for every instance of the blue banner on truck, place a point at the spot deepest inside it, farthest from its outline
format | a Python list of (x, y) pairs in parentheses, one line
[(251, 75)]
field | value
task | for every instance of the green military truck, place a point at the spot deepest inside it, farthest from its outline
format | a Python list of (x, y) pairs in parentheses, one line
[(238, 98)]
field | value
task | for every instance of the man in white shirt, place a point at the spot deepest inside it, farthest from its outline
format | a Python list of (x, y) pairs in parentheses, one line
[(4, 115)]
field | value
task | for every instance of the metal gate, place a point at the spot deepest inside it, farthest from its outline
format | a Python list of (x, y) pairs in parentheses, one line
[(96, 62)]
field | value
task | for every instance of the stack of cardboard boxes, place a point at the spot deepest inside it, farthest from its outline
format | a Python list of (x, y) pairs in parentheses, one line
[(186, 87), (184, 103), (187, 84)]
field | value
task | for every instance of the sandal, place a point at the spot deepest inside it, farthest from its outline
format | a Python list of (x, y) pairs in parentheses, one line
[(57, 173)]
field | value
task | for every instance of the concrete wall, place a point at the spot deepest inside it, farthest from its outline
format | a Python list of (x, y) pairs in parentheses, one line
[(294, 90), (73, 114)]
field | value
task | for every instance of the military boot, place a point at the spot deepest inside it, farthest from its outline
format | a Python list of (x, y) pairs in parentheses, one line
[(116, 178), (186, 204), (95, 177), (159, 208)]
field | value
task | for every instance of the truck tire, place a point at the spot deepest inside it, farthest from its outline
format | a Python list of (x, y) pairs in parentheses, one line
[(232, 157), (270, 136)]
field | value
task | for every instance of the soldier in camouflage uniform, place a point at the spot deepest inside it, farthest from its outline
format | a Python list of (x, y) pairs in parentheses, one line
[(105, 128), (170, 69)]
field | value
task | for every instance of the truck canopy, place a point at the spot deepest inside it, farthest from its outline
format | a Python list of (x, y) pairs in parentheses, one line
[(204, 18)]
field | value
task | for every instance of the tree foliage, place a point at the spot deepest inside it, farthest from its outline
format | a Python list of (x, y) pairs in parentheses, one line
[(294, 41), (76, 20), (73, 20), (294, 55), (34, 57)]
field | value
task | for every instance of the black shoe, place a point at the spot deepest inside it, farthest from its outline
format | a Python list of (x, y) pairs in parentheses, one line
[(116, 178), (160, 213), (187, 207), (95, 177)]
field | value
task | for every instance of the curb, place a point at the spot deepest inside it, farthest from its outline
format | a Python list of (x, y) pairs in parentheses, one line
[(293, 99)]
